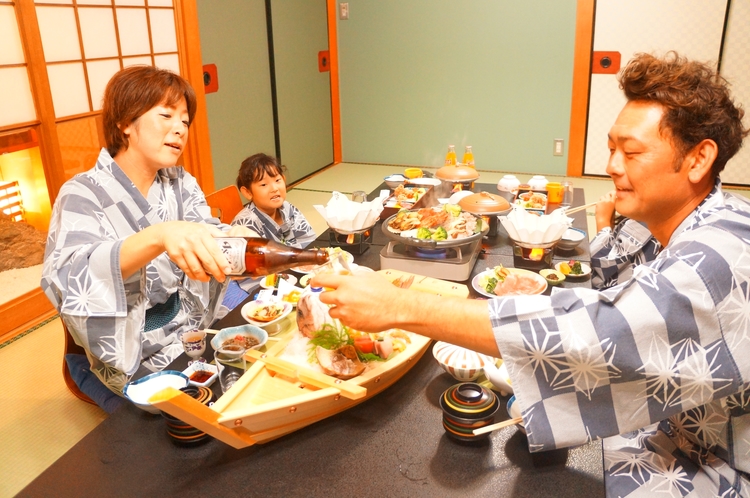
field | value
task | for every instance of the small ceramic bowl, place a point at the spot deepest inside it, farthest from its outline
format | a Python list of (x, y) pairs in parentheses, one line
[(462, 364), (244, 330), (466, 407), (201, 374), (393, 181), (515, 411), (570, 239), (553, 277), (139, 391), (499, 378)]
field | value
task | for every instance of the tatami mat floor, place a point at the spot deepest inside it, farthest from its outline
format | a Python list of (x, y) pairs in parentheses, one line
[(42, 419)]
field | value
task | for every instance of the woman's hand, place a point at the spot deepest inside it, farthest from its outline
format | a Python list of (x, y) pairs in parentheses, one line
[(605, 211)]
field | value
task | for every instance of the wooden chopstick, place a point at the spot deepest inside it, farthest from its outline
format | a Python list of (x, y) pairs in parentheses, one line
[(499, 425), (580, 208)]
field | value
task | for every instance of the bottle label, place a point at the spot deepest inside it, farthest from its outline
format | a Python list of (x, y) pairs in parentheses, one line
[(234, 250)]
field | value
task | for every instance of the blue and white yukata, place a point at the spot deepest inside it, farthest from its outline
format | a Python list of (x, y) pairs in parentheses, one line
[(94, 212), (657, 364), (294, 231)]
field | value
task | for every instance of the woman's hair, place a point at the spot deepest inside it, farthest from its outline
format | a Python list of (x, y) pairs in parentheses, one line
[(134, 91), (255, 167), (696, 101)]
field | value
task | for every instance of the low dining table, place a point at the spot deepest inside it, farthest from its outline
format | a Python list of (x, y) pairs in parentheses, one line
[(390, 445)]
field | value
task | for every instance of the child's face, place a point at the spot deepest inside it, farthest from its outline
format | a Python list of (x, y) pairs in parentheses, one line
[(269, 193)]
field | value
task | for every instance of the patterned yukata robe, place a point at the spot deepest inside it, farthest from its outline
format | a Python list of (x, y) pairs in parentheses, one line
[(614, 253), (94, 212), (661, 359), (294, 230)]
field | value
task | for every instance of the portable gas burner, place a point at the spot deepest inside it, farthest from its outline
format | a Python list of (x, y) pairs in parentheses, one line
[(448, 263), (535, 258), (355, 243)]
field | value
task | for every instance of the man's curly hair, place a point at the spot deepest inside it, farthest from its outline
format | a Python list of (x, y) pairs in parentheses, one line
[(696, 101)]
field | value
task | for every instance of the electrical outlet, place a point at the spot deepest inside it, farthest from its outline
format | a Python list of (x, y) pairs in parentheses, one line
[(344, 10), (557, 150)]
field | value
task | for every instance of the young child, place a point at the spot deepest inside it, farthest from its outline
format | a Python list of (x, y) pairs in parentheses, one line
[(261, 181)]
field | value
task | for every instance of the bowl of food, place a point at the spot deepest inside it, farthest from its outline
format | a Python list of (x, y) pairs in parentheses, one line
[(140, 391), (467, 407), (514, 411), (393, 181), (553, 277), (570, 239), (201, 374), (463, 364), (247, 336), (573, 269)]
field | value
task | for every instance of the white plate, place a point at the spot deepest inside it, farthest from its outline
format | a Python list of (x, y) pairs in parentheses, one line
[(247, 312), (198, 365), (424, 182), (586, 269), (517, 271), (290, 279)]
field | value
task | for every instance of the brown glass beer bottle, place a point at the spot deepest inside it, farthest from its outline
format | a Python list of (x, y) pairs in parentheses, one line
[(256, 257)]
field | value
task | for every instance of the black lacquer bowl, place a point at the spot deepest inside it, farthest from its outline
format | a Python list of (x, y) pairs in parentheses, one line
[(182, 433), (466, 407)]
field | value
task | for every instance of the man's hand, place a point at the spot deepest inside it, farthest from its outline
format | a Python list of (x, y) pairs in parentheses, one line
[(605, 211)]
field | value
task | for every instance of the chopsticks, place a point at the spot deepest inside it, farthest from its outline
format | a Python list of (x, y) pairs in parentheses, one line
[(499, 425), (580, 208)]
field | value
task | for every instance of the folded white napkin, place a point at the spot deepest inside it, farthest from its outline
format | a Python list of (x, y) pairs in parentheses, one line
[(529, 228), (341, 213)]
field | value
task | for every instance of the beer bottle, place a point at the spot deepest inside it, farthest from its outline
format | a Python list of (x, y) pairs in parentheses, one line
[(255, 257)]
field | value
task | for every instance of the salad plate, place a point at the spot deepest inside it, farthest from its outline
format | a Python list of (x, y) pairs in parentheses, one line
[(585, 269), (538, 284)]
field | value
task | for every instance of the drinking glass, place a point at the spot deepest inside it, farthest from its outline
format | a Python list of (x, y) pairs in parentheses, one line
[(359, 196), (230, 361), (194, 343), (567, 199)]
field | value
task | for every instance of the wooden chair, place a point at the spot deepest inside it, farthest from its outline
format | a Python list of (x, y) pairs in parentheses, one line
[(227, 201), (72, 348)]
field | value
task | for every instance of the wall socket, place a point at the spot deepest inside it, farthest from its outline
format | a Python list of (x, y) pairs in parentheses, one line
[(558, 147), (344, 10)]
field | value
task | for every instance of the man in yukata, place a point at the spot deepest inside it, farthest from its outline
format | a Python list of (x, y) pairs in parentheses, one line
[(657, 363)]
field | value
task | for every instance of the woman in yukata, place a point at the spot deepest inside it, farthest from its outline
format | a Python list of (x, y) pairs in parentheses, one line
[(131, 259)]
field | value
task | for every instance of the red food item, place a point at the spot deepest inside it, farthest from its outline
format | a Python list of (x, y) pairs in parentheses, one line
[(364, 344), (200, 376)]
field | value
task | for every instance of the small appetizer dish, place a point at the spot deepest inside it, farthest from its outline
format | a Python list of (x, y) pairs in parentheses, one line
[(201, 374), (573, 269), (140, 391), (247, 336), (570, 239), (265, 313), (271, 281), (394, 181), (553, 277)]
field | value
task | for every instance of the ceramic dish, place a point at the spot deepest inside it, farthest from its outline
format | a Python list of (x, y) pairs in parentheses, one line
[(571, 238), (245, 330), (393, 181), (200, 369), (139, 391), (475, 282), (253, 308), (463, 364), (267, 282), (424, 182), (499, 378), (553, 277), (515, 411), (586, 269)]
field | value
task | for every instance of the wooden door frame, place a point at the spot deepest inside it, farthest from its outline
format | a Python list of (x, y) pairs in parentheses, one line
[(333, 57), (579, 105)]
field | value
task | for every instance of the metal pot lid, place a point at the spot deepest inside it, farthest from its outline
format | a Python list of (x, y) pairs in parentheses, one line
[(457, 173), (484, 203)]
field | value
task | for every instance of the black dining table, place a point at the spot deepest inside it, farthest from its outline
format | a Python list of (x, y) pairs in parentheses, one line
[(390, 445)]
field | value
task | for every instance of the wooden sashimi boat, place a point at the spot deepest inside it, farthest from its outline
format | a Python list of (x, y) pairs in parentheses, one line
[(275, 397)]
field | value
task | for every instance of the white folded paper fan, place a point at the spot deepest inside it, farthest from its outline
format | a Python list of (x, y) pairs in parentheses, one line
[(528, 228), (343, 214)]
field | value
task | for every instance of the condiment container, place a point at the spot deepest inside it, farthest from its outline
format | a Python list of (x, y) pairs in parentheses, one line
[(466, 407)]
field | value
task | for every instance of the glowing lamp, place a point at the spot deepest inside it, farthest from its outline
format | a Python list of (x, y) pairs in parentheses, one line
[(10, 200)]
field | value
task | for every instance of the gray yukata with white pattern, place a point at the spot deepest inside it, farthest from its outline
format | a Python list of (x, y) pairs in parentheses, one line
[(94, 212), (660, 361), (614, 253), (294, 231)]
